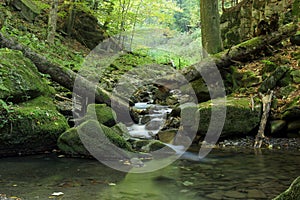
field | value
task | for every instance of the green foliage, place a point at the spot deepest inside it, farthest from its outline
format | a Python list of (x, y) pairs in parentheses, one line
[(188, 18), (269, 66), (57, 53)]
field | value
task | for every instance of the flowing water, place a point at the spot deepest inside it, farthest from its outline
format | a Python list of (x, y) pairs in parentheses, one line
[(224, 174)]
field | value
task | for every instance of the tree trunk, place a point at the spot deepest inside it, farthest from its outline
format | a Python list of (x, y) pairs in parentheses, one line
[(52, 22), (71, 18), (210, 26), (246, 51)]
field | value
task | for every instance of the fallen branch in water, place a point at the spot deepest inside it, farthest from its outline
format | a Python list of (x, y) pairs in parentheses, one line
[(266, 101)]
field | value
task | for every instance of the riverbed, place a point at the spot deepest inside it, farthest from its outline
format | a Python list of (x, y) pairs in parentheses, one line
[(234, 173)]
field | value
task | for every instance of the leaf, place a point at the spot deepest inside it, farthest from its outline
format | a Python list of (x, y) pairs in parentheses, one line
[(187, 183), (57, 193)]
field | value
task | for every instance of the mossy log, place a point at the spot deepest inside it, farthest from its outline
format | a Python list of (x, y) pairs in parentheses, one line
[(66, 77), (246, 51)]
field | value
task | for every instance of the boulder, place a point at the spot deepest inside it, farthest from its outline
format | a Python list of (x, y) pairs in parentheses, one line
[(296, 76), (277, 125), (292, 112), (92, 138), (292, 193), (86, 29), (271, 81), (28, 9), (240, 119), (30, 127), (167, 136), (149, 146), (102, 113), (19, 77)]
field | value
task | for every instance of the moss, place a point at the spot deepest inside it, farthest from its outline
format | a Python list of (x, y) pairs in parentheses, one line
[(292, 193), (269, 66), (296, 76), (240, 119), (32, 126), (30, 4), (19, 78), (105, 115), (92, 136), (71, 143)]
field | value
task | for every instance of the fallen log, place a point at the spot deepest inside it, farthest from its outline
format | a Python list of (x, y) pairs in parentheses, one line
[(65, 76), (246, 51)]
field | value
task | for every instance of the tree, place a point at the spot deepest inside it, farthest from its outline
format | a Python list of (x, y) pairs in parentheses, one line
[(210, 26), (52, 21)]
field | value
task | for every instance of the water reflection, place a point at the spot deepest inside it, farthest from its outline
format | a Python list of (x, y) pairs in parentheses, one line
[(230, 174)]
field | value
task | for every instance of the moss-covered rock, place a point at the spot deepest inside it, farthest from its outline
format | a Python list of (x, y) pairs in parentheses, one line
[(149, 146), (292, 193), (240, 119), (92, 138), (29, 10), (271, 81), (70, 143), (30, 127), (19, 77), (296, 76), (104, 114)]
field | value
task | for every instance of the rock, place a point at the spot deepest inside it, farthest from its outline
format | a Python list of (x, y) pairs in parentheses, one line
[(235, 195), (19, 77), (271, 81), (293, 125), (292, 112), (256, 194), (200, 90), (154, 124), (167, 136), (104, 114), (31, 127), (277, 125), (29, 10), (96, 139), (292, 193), (296, 76), (86, 29), (240, 119), (70, 143), (149, 146), (122, 130), (295, 39), (182, 139)]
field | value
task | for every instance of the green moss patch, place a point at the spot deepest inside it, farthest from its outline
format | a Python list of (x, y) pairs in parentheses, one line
[(19, 77), (31, 127)]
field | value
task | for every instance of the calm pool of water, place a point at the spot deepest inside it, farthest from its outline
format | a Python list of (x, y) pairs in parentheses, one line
[(225, 174)]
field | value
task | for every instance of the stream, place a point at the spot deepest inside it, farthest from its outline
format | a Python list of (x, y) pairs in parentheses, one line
[(233, 173), (224, 174)]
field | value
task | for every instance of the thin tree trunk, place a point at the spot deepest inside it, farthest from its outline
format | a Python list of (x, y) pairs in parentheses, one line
[(71, 18), (52, 22), (210, 26)]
